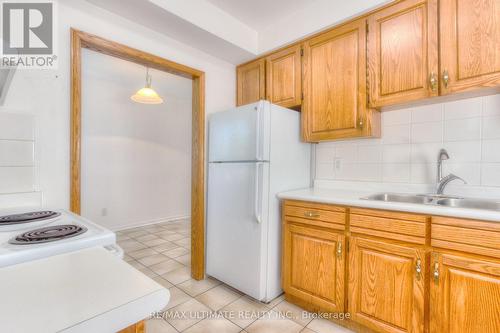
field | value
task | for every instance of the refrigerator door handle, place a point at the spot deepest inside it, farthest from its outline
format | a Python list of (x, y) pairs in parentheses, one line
[(258, 192)]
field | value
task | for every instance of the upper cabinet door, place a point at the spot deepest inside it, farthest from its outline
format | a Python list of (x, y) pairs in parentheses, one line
[(403, 53), (334, 68), (470, 44), (284, 77), (251, 82)]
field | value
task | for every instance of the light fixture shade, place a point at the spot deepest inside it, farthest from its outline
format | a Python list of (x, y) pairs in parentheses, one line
[(146, 96)]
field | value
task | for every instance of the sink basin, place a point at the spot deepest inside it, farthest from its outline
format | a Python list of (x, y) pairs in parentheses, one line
[(405, 198), (470, 203), (437, 200)]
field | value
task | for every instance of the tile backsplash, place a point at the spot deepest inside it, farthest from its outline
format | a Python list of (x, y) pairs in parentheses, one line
[(411, 138), (17, 154)]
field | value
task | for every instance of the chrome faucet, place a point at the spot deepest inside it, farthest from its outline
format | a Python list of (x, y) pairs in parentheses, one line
[(443, 181)]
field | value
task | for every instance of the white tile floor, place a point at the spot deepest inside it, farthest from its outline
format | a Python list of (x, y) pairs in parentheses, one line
[(162, 252)]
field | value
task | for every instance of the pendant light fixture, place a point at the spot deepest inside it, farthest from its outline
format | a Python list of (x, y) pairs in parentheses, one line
[(147, 95)]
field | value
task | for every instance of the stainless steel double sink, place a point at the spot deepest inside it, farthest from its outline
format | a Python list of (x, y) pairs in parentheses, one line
[(436, 200)]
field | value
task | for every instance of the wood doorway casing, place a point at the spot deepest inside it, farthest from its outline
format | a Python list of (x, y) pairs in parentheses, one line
[(79, 40)]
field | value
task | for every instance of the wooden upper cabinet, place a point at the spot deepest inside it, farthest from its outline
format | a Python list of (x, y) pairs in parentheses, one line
[(403, 53), (470, 44), (251, 82), (284, 77), (386, 286), (334, 69), (465, 294), (314, 266)]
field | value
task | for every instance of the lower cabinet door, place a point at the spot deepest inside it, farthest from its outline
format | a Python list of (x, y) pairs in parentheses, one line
[(386, 285), (313, 266), (465, 295)]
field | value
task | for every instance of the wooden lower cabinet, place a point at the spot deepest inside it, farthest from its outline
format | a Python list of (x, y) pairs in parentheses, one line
[(136, 328), (465, 294), (386, 285), (445, 278), (313, 266)]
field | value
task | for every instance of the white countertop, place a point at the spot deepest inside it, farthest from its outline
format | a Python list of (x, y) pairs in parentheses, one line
[(89, 290), (350, 197)]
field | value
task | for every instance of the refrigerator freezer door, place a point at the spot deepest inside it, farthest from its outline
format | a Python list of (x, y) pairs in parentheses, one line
[(241, 134), (237, 220)]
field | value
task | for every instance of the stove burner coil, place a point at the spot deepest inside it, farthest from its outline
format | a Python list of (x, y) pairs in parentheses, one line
[(27, 217), (48, 234)]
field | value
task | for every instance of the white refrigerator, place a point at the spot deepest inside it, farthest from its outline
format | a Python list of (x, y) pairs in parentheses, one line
[(254, 152)]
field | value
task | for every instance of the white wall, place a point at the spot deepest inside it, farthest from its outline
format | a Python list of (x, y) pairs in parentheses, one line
[(316, 16), (411, 139), (46, 93), (136, 158)]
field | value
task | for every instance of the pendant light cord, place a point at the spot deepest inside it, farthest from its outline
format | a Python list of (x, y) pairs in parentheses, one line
[(148, 78)]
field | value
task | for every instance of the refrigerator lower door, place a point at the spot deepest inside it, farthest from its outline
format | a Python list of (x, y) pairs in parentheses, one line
[(237, 218)]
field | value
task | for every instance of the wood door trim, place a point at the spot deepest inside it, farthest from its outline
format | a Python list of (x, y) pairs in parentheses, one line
[(79, 40)]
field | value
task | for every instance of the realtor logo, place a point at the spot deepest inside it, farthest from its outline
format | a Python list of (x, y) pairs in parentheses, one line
[(28, 34)]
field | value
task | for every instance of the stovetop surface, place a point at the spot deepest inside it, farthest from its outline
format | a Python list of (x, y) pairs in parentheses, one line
[(94, 235), (53, 233), (28, 217)]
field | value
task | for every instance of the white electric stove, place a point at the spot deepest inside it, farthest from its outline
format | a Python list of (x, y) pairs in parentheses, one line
[(30, 234)]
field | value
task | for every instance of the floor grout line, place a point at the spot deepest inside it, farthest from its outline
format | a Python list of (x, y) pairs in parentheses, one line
[(180, 229)]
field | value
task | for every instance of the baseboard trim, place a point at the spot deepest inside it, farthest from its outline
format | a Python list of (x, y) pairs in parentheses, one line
[(150, 222)]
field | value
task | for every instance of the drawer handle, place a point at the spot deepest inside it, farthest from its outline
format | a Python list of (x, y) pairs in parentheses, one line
[(436, 272), (339, 250), (311, 214), (418, 269)]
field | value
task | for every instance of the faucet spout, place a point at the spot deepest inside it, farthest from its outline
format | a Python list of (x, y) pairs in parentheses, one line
[(446, 180), (441, 181), (442, 156)]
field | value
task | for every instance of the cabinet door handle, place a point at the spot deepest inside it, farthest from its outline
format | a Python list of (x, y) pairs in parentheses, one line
[(433, 81), (418, 269), (446, 78), (311, 214), (339, 250), (360, 123), (436, 272)]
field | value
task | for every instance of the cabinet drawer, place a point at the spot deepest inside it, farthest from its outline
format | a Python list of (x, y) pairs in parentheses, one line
[(315, 214), (471, 236), (405, 227)]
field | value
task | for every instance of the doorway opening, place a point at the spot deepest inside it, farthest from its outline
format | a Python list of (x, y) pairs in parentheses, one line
[(81, 40)]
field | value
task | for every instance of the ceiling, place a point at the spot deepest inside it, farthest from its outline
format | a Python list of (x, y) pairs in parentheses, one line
[(236, 30), (258, 14), (156, 15)]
